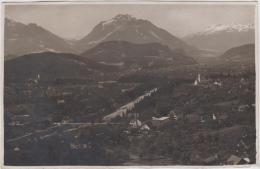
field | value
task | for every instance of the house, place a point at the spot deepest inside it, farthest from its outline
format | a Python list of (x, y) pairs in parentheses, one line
[(20, 119), (173, 115), (243, 81), (160, 118), (216, 116), (31, 82), (159, 122), (60, 101), (16, 149), (145, 127), (202, 120), (135, 123), (243, 108), (15, 123), (50, 92), (216, 83), (247, 160), (235, 160), (37, 79)]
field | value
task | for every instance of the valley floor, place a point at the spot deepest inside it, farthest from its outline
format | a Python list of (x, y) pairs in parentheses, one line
[(182, 122)]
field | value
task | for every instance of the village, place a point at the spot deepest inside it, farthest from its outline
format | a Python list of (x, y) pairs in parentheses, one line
[(208, 110)]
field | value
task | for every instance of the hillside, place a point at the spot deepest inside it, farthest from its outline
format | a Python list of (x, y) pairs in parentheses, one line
[(131, 29), (51, 65), (240, 53), (126, 53), (23, 39)]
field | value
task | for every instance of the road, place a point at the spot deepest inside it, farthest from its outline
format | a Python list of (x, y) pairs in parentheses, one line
[(52, 131), (123, 110)]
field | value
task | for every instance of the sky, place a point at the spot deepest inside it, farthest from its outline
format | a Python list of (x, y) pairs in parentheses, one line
[(75, 21)]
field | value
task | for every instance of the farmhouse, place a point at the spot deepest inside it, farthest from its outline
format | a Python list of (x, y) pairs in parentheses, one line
[(145, 127), (159, 122), (135, 123), (61, 101)]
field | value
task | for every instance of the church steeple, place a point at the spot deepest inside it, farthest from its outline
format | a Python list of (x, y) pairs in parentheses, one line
[(197, 80)]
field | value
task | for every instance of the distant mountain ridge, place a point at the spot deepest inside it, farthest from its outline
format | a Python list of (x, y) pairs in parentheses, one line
[(221, 37), (240, 53), (23, 39), (128, 28), (218, 28), (126, 52), (52, 65)]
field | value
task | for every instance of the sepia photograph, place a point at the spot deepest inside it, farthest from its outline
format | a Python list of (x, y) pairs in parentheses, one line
[(130, 84)]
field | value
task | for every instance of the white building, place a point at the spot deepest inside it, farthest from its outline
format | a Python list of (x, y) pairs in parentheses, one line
[(135, 123)]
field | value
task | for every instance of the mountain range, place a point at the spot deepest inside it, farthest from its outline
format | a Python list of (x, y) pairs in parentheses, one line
[(31, 38), (131, 29), (221, 37), (240, 53), (126, 53), (52, 65), (106, 57), (23, 39)]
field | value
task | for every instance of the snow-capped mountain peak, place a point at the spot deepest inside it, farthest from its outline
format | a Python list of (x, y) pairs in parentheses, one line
[(124, 27), (119, 19), (220, 37), (227, 28), (125, 17)]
